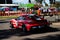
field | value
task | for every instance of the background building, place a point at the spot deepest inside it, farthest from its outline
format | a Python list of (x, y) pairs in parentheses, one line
[(5, 1), (7, 4)]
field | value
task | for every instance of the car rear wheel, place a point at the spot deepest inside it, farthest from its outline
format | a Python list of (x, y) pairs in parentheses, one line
[(46, 28)]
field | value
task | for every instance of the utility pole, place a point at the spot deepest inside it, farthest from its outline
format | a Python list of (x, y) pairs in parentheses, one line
[(29, 1), (5, 1)]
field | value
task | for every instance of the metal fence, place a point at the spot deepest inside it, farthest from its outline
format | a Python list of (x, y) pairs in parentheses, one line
[(54, 18)]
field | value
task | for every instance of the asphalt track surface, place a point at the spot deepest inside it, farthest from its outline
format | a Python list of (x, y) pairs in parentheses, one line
[(6, 33)]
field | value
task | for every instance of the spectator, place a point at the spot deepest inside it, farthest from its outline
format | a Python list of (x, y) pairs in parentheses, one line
[(38, 12), (30, 11)]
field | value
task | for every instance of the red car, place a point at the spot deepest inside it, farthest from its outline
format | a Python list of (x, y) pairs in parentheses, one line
[(28, 22)]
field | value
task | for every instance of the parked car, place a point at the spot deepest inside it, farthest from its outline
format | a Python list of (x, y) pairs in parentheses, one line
[(28, 22)]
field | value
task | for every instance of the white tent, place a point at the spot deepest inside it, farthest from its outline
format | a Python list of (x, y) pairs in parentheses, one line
[(46, 1), (8, 5)]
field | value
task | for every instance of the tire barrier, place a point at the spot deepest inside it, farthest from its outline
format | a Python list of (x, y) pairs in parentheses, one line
[(8, 13)]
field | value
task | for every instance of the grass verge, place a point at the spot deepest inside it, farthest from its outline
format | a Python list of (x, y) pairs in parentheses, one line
[(7, 17)]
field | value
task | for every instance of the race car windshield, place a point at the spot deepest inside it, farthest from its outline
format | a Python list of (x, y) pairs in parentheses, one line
[(34, 16), (21, 18)]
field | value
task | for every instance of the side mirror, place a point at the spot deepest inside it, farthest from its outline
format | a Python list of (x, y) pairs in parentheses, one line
[(16, 19), (41, 16)]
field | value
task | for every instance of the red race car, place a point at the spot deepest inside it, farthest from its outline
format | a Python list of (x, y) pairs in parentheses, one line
[(29, 21)]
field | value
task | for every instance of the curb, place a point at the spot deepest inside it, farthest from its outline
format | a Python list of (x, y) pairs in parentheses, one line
[(58, 23)]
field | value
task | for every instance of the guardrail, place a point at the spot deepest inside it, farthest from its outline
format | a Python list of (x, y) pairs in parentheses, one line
[(8, 13)]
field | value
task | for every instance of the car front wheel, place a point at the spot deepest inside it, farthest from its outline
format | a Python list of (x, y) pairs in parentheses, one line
[(11, 25), (24, 28)]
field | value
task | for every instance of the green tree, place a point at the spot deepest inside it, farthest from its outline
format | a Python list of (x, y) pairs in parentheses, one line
[(57, 4)]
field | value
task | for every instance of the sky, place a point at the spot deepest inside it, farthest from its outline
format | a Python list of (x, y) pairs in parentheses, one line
[(23, 1), (26, 1), (20, 1)]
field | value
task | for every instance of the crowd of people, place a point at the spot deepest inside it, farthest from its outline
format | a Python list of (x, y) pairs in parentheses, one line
[(39, 11)]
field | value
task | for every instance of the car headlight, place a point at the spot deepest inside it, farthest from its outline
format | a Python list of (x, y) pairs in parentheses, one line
[(16, 23), (27, 24)]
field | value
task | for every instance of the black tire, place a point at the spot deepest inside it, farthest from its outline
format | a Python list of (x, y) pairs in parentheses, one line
[(24, 28), (33, 30), (11, 25), (46, 28)]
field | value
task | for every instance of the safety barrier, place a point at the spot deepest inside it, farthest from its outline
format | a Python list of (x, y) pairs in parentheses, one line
[(8, 13)]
